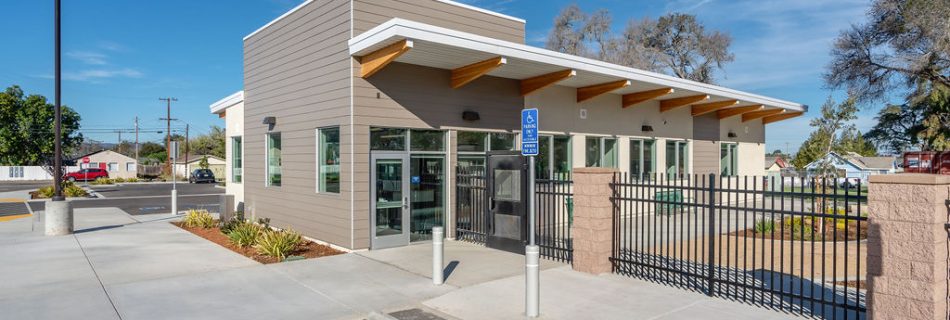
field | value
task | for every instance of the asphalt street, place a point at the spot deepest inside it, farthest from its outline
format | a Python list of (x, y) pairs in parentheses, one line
[(149, 198), (8, 186)]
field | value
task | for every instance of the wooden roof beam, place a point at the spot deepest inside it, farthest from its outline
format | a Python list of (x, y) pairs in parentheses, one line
[(761, 114), (463, 75), (534, 84), (722, 114), (670, 104), (379, 59), (704, 108), (637, 97), (780, 117), (590, 92)]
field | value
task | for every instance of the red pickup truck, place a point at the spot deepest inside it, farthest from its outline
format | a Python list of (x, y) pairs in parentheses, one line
[(86, 174)]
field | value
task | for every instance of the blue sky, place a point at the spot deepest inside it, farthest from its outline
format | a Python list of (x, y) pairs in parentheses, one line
[(119, 57)]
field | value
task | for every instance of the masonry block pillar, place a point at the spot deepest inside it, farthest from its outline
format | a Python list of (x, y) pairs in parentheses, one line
[(593, 216), (907, 246)]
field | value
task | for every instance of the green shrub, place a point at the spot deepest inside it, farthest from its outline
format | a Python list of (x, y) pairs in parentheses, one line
[(764, 226), (277, 244), (69, 190), (132, 180), (244, 234), (199, 219), (119, 180), (100, 181)]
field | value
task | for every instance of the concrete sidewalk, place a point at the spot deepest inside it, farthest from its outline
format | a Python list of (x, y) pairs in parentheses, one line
[(119, 266)]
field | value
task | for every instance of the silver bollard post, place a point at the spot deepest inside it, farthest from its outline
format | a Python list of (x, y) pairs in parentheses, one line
[(174, 202), (438, 247), (532, 305)]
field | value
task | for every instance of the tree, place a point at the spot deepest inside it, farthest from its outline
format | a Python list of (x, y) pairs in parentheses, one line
[(27, 134), (211, 143), (851, 140), (677, 44), (904, 43), (898, 127), (568, 35), (834, 117), (203, 163)]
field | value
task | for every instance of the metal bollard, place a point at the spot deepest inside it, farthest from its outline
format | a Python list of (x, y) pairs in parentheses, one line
[(174, 202), (438, 248), (532, 256)]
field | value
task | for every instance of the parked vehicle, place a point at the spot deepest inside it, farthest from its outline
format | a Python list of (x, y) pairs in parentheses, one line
[(849, 183), (927, 162), (201, 175), (89, 174)]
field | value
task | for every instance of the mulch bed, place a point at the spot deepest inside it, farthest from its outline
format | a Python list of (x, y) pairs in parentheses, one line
[(308, 249), (790, 234)]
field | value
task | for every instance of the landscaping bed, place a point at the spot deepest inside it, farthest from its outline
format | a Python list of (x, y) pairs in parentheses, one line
[(807, 229), (302, 249)]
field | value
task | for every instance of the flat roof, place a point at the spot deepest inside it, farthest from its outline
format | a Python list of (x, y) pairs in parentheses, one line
[(227, 102), (444, 48)]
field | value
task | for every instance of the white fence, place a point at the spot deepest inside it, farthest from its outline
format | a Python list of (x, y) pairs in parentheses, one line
[(27, 173)]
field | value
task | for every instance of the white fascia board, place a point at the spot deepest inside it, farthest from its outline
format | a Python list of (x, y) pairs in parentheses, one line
[(227, 102), (298, 7), (401, 28), (485, 11)]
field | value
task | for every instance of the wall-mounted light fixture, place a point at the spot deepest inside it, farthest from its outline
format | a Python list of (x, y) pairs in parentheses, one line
[(470, 116), (732, 134), (646, 128), (270, 122)]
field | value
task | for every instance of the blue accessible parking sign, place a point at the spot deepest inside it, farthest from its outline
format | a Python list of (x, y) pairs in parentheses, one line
[(529, 132)]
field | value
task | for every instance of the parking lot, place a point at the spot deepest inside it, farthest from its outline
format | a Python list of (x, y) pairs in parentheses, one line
[(148, 198)]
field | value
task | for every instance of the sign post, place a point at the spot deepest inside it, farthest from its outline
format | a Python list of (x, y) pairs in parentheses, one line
[(529, 148), (85, 173), (173, 154)]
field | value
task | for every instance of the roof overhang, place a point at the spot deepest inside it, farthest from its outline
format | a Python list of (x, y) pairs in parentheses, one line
[(444, 48), (229, 101)]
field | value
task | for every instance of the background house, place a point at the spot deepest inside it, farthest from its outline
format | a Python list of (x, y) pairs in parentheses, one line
[(853, 165), (118, 165), (183, 169)]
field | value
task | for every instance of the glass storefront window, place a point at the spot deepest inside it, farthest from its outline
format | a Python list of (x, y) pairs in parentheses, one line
[(427, 140), (469, 141), (592, 155), (641, 158), (728, 159), (601, 152), (387, 139), (502, 141), (427, 192), (237, 165), (554, 158), (328, 155), (273, 159), (676, 159)]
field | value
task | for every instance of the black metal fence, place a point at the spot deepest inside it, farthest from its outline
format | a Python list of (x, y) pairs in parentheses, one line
[(555, 205), (792, 244), (471, 204), (553, 199)]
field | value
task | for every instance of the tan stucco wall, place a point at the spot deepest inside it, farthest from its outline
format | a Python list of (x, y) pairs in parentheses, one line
[(234, 127)]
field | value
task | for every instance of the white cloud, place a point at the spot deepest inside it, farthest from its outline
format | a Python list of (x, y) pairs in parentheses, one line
[(94, 75), (88, 57)]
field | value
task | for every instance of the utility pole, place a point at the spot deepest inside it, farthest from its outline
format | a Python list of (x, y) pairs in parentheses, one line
[(186, 148), (59, 212), (168, 134), (136, 139)]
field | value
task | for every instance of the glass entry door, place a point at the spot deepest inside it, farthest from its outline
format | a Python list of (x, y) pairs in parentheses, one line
[(390, 202), (427, 195)]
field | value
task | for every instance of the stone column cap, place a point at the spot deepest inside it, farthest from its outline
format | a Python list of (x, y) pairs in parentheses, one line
[(910, 178)]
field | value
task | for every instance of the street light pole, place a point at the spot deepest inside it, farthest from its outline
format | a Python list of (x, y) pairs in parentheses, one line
[(57, 140), (58, 216)]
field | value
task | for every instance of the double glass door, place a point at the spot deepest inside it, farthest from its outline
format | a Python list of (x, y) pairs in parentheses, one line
[(408, 198)]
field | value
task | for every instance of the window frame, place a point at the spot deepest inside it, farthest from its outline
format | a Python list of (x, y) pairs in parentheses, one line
[(267, 146), (732, 151), (642, 157), (602, 151), (237, 176), (319, 157), (678, 160), (551, 154)]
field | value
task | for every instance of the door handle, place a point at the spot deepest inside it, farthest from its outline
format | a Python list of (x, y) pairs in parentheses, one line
[(405, 203), (491, 203)]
